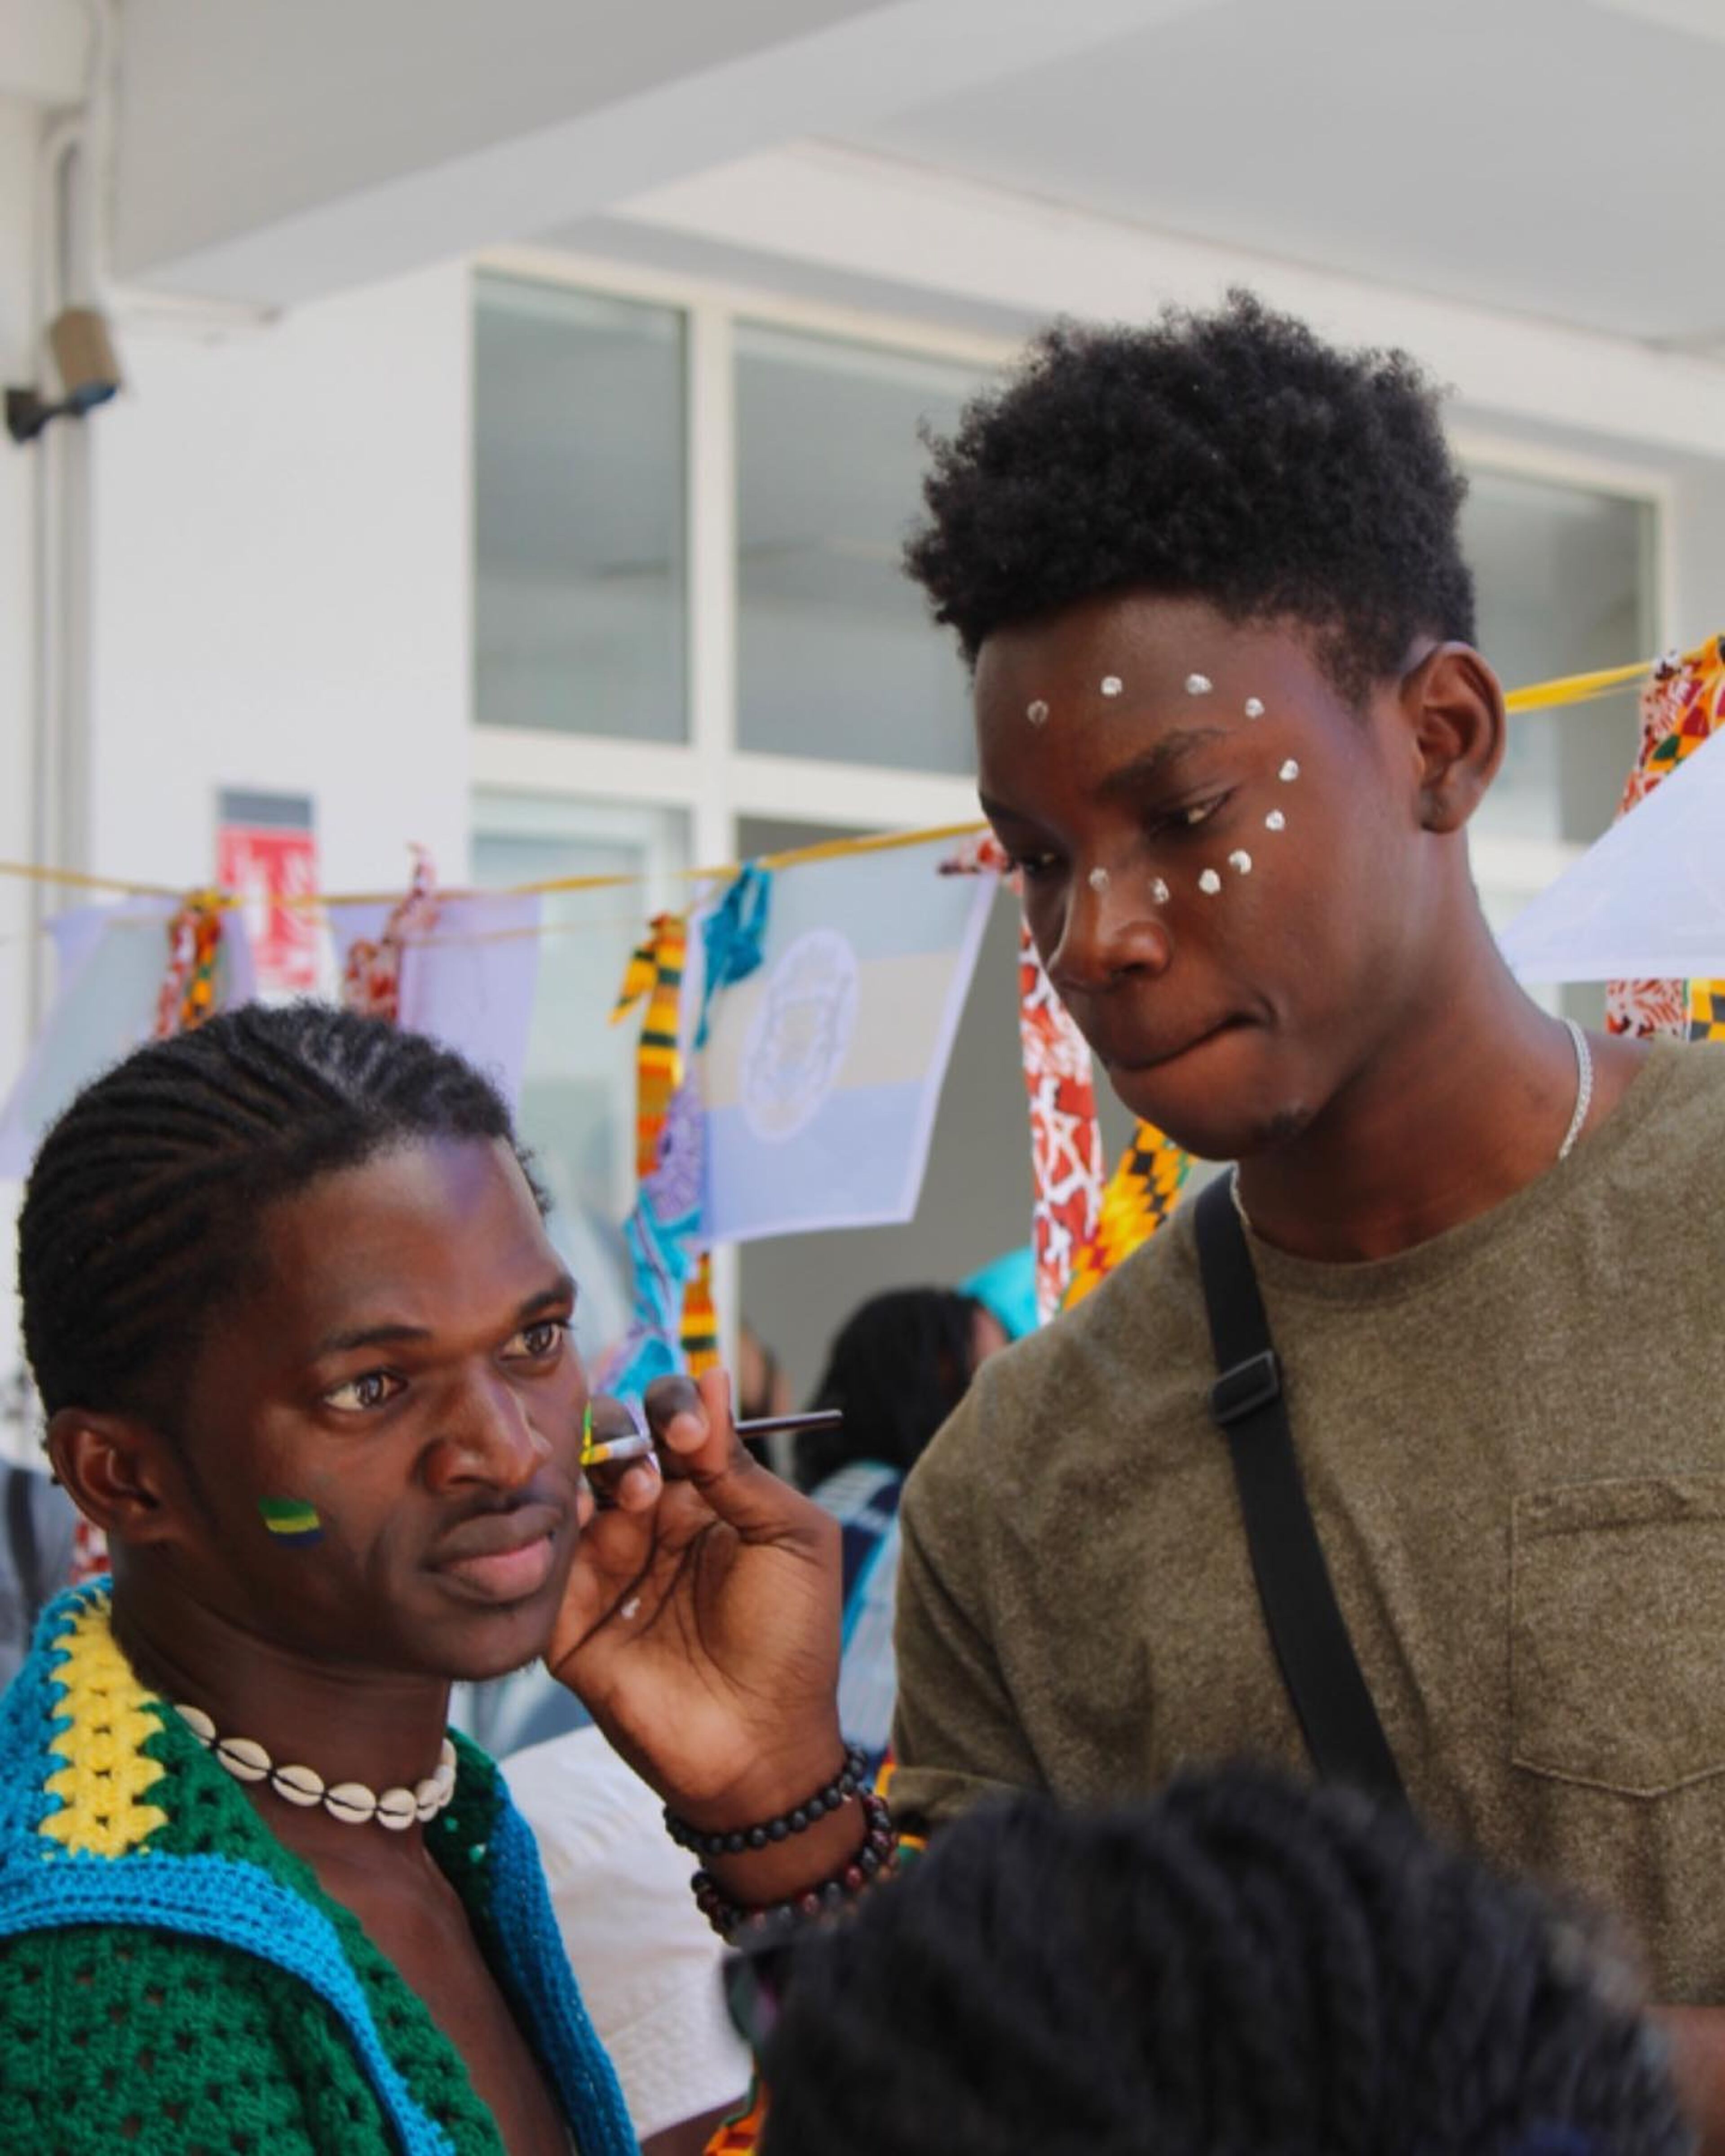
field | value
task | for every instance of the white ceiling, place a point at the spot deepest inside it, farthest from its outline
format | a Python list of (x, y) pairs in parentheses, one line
[(1553, 157)]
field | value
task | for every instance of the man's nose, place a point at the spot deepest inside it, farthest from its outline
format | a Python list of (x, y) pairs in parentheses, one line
[(486, 1435), (1111, 928)]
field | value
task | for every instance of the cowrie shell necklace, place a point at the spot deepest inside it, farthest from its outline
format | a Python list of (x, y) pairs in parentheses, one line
[(351, 1802)]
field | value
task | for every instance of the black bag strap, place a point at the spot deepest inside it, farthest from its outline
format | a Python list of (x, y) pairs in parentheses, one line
[(1318, 1666)]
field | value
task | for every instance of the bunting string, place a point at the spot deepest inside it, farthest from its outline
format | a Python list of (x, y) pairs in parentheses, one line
[(1567, 691)]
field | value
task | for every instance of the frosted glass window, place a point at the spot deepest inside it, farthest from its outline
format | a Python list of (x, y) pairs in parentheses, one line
[(579, 484), (837, 656), (1565, 586)]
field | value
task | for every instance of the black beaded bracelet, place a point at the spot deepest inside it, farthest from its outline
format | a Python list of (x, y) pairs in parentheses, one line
[(738, 1841), (877, 1858)]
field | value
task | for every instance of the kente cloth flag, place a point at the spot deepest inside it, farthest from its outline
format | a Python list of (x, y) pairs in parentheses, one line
[(371, 956), (671, 1326), (1647, 902), (1681, 708), (1066, 1138), (822, 1070), (1137, 1200), (113, 961), (467, 978)]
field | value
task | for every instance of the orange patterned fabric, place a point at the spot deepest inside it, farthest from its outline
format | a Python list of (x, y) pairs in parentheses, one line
[(1140, 1195), (1681, 708), (1065, 1139), (655, 973), (189, 988), (371, 981), (739, 2136)]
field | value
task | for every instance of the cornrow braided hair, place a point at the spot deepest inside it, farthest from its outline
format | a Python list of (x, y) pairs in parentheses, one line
[(1242, 1968), (140, 1214)]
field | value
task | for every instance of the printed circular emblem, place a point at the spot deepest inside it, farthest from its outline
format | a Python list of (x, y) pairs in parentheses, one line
[(798, 1039)]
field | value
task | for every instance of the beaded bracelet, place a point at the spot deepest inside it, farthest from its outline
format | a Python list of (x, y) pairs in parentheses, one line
[(877, 1858), (739, 1841)]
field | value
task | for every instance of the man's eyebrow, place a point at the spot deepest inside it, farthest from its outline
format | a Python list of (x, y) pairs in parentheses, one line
[(550, 1297), (561, 1290), (1133, 778), (368, 1335), (1130, 778)]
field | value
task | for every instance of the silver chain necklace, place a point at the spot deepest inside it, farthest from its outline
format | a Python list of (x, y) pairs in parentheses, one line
[(1577, 1120)]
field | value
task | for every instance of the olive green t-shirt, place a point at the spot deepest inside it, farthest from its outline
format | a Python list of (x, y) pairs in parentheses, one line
[(1513, 1441)]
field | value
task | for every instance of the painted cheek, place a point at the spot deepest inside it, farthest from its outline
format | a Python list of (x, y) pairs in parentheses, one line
[(293, 1522)]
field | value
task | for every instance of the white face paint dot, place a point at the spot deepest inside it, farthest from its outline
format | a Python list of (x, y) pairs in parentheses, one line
[(1159, 892), (1255, 707), (1112, 685), (1275, 821), (1209, 883), (1288, 772), (1037, 713), (631, 1609), (1199, 684), (1099, 879), (1241, 861)]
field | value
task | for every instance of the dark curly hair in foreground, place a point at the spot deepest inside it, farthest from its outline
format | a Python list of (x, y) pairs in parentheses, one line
[(140, 1214), (1231, 457), (1243, 1967)]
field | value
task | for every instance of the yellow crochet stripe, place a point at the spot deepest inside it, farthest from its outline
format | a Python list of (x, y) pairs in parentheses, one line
[(103, 1783)]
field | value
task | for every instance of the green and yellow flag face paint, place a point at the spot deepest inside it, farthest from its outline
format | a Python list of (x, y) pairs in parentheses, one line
[(291, 1519)]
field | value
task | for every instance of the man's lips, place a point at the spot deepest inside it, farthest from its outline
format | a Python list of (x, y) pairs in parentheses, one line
[(503, 1557), (1136, 1059)]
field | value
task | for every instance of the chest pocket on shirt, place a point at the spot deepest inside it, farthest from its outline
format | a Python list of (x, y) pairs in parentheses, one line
[(1617, 1632)]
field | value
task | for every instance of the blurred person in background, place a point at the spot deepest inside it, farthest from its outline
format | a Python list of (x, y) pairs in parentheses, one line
[(896, 1369)]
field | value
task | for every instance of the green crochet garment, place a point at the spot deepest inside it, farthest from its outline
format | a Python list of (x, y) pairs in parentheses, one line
[(118, 2036)]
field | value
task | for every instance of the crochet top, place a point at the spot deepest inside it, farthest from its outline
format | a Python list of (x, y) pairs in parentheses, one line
[(174, 1981)]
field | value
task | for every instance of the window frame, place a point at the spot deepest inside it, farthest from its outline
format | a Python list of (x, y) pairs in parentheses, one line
[(717, 782)]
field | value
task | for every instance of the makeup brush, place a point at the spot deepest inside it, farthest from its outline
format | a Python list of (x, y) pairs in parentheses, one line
[(637, 1443)]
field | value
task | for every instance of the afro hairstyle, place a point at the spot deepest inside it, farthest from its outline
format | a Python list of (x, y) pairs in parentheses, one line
[(1232, 456)]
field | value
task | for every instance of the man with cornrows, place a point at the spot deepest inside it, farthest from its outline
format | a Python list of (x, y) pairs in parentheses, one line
[(303, 1346)]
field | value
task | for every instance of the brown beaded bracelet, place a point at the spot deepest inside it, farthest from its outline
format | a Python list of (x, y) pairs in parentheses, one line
[(736, 1923), (739, 1841)]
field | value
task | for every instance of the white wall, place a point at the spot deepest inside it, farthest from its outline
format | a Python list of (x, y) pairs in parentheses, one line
[(282, 586), (281, 590), (1695, 539)]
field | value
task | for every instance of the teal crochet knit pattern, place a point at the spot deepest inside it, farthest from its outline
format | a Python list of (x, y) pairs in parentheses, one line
[(173, 1979)]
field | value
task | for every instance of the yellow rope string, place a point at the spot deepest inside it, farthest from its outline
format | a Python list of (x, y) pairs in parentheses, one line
[(1539, 696)]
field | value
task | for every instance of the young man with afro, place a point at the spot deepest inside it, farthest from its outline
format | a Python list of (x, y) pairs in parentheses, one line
[(1231, 727)]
